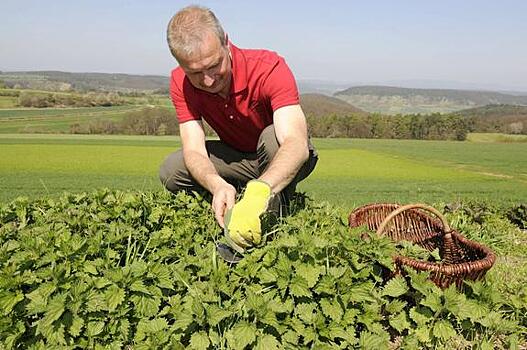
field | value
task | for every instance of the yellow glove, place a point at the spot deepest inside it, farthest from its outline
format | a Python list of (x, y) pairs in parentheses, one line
[(242, 222)]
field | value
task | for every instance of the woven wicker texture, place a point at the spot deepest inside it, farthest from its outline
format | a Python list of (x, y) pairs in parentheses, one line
[(423, 225)]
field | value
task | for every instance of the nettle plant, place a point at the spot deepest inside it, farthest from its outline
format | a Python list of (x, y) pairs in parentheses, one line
[(113, 270)]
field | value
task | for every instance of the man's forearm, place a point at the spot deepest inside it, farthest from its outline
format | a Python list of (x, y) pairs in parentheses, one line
[(202, 170), (289, 158)]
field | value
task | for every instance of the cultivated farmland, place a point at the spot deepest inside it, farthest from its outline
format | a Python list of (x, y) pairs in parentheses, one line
[(350, 172)]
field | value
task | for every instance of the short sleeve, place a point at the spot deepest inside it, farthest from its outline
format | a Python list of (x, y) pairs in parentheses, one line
[(280, 86), (183, 110)]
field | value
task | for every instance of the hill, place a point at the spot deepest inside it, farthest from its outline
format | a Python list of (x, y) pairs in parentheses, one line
[(495, 111), (395, 100), (318, 105), (64, 81), (508, 119)]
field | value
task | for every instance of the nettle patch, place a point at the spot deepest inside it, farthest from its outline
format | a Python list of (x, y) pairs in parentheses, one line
[(113, 270)]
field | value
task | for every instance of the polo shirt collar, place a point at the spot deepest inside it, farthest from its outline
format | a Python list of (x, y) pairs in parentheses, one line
[(239, 69)]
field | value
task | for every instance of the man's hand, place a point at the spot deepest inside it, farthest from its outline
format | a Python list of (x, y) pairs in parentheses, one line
[(223, 199), (242, 222)]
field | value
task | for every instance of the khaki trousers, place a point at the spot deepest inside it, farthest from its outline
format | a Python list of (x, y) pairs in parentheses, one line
[(234, 166)]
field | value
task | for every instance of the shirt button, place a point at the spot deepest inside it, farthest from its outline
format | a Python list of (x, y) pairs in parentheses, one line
[(231, 117), (226, 105)]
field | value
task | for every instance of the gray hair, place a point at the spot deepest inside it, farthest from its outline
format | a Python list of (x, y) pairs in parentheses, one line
[(188, 27)]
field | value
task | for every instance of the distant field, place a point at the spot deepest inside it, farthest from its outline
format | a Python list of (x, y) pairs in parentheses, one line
[(495, 137), (361, 170), (8, 101), (57, 120), (350, 171)]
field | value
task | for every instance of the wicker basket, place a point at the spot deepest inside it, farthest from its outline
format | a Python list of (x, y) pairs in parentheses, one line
[(461, 258)]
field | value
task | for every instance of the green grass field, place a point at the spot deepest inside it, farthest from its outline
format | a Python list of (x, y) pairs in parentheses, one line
[(57, 120), (8, 101), (495, 137), (350, 171)]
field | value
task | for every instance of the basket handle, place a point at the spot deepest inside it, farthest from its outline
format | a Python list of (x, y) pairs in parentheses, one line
[(382, 226)]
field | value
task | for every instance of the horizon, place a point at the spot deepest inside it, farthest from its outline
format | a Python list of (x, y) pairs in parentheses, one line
[(476, 45), (328, 87)]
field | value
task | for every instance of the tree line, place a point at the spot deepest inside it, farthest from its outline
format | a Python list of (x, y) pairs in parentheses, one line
[(148, 121), (421, 127), (162, 121), (91, 99), (436, 126)]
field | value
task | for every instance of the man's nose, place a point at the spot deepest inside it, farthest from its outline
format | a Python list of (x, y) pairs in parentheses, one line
[(208, 80)]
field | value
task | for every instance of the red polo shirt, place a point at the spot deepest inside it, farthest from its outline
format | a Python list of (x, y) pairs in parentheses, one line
[(261, 83)]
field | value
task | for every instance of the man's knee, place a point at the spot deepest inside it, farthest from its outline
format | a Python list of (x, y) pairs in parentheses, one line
[(173, 173)]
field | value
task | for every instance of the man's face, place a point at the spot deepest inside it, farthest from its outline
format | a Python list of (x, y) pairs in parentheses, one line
[(209, 68)]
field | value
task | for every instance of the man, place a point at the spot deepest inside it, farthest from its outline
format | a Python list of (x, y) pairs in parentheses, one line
[(250, 98)]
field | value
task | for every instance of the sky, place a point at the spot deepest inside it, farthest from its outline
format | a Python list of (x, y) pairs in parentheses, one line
[(469, 43)]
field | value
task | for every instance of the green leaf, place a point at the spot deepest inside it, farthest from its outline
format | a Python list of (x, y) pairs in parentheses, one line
[(124, 328), (332, 309), (54, 309), (443, 330), (138, 286), (421, 315), (89, 267), (400, 322), (76, 326), (39, 298), (267, 276), (306, 312), (423, 334), (335, 332), (199, 341), (492, 320), (309, 272), (362, 293), (455, 301), (95, 301), (395, 306), (310, 335), (433, 301), (8, 300), (163, 276), (337, 271), (421, 282), (371, 341), (298, 287), (267, 342), (56, 337), (281, 306), (114, 297), (350, 316), (241, 335), (286, 240), (94, 328), (290, 337), (183, 320), (395, 287), (486, 345), (326, 285), (156, 325), (474, 310), (215, 314), (145, 305), (101, 282), (138, 268)]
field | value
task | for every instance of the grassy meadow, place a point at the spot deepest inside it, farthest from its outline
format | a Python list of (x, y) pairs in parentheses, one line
[(350, 171), (58, 120)]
